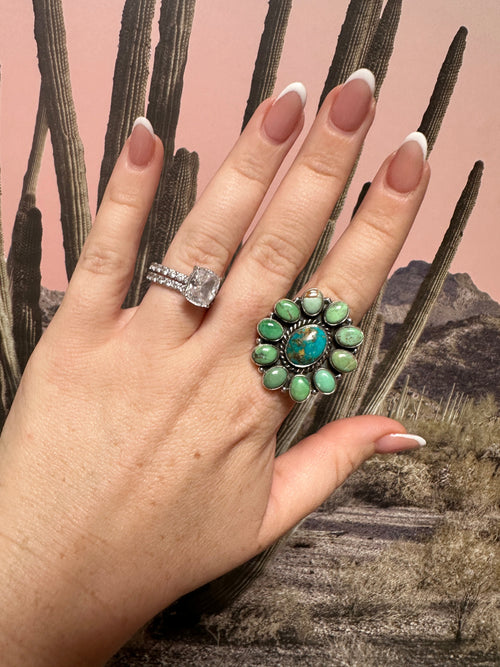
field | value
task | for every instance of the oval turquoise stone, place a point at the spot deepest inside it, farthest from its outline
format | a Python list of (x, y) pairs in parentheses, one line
[(300, 388), (324, 381), (265, 354), (312, 302), (349, 336), (275, 377), (336, 313), (343, 361), (270, 329), (287, 310), (306, 345)]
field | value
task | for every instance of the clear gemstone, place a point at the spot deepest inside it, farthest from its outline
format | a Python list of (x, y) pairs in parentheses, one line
[(202, 287)]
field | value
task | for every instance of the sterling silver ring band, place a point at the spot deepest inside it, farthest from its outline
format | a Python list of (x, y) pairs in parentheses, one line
[(199, 288)]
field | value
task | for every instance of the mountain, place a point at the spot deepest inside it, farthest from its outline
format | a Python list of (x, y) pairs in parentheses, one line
[(461, 341), (459, 298)]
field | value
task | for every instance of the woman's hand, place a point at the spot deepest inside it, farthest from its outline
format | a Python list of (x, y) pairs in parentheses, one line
[(137, 462)]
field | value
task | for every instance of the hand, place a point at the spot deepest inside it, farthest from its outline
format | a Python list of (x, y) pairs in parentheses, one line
[(137, 462)]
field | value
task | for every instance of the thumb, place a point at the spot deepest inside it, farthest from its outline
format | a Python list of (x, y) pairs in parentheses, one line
[(309, 472)]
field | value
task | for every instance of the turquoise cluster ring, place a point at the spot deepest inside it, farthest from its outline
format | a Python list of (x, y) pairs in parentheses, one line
[(304, 346)]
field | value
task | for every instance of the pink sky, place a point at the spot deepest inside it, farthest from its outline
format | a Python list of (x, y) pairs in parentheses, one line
[(224, 43)]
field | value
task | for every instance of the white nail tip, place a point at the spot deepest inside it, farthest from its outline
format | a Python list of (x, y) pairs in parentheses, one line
[(295, 87), (410, 436), (421, 141), (145, 123), (365, 74)]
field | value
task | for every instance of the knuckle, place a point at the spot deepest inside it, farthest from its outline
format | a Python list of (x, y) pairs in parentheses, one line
[(277, 254), (381, 228), (100, 259), (322, 166), (251, 168), (127, 198), (204, 248)]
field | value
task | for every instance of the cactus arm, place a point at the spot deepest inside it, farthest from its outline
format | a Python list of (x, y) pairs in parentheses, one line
[(440, 98), (24, 273), (130, 79), (413, 325), (382, 45), (176, 19), (268, 55), (69, 161)]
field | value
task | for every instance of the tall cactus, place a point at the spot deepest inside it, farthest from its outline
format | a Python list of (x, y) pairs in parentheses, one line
[(176, 18), (413, 325), (69, 161), (268, 56), (445, 84), (130, 80)]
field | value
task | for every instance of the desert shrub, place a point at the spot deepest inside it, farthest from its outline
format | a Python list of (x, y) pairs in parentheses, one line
[(395, 480), (461, 567), (280, 617)]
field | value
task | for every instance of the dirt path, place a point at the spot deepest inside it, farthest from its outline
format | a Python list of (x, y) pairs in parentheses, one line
[(295, 594)]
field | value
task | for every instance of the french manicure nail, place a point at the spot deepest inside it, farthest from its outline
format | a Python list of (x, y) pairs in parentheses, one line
[(284, 114), (142, 142), (398, 442), (353, 102), (405, 170)]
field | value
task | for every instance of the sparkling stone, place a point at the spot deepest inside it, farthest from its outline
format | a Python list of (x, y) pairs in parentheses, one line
[(202, 287), (349, 336), (306, 345), (270, 329), (324, 381), (336, 313), (343, 361), (312, 302), (264, 355), (300, 388), (275, 377), (287, 310)]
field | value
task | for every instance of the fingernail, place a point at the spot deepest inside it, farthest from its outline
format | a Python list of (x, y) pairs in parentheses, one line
[(142, 142), (353, 101), (405, 170), (398, 442), (285, 113)]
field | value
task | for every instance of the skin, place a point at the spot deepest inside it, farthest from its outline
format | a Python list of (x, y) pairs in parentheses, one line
[(137, 462)]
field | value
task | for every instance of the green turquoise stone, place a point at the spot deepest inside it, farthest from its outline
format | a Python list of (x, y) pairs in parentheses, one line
[(275, 377), (336, 313), (265, 354), (343, 361), (306, 345), (324, 381), (300, 388), (312, 302), (349, 336), (270, 329), (287, 310)]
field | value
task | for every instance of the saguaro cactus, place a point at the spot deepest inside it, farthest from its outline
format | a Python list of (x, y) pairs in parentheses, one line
[(69, 160)]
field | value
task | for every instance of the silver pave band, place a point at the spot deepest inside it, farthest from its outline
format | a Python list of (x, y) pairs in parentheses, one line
[(199, 288)]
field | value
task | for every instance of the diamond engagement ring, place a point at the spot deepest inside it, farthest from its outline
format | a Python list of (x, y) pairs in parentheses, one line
[(199, 288), (305, 345)]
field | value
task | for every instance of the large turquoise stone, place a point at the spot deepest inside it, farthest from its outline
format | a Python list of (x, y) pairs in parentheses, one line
[(265, 354), (270, 329), (275, 377), (300, 388), (287, 310), (306, 345), (349, 336)]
